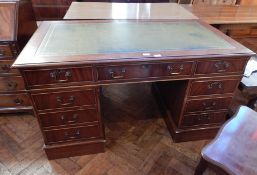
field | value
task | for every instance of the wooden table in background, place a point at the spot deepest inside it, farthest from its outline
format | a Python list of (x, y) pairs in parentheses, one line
[(94, 10), (233, 20)]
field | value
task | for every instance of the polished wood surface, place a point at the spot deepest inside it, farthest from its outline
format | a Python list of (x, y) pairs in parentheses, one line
[(223, 14), (127, 11), (237, 138), (17, 25), (74, 75)]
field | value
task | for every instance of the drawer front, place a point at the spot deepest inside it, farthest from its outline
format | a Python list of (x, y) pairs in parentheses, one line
[(12, 100), (220, 66), (64, 99), (208, 104), (69, 134), (5, 52), (57, 76), (204, 119), (144, 71), (68, 117), (5, 68), (11, 83), (213, 87)]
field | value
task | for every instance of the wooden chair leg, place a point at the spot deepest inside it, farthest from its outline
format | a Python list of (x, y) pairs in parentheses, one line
[(201, 167)]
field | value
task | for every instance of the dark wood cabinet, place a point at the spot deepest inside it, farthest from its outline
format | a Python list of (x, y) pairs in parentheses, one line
[(17, 25)]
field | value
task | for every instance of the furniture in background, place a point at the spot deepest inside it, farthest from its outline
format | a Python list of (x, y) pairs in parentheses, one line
[(96, 10), (17, 26), (233, 151), (194, 82), (209, 2), (236, 21), (50, 9)]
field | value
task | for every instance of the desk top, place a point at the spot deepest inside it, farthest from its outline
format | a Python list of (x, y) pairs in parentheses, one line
[(224, 14), (101, 41), (94, 10)]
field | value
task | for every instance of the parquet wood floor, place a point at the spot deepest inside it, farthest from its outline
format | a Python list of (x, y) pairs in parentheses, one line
[(138, 142)]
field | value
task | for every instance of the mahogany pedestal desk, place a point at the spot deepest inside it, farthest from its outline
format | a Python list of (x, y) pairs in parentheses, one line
[(194, 68)]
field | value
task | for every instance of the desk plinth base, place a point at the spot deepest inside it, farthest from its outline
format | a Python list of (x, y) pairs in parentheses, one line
[(183, 135), (72, 149)]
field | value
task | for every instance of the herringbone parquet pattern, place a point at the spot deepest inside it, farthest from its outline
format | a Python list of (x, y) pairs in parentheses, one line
[(138, 142)]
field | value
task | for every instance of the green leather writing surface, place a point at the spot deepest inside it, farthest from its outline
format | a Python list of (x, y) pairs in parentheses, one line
[(124, 37)]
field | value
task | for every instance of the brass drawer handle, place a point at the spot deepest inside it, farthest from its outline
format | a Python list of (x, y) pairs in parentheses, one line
[(72, 135), (18, 101), (2, 52), (209, 106), (222, 66), (170, 69), (73, 120), (6, 68), (62, 102), (12, 85), (57, 75), (215, 85), (118, 76)]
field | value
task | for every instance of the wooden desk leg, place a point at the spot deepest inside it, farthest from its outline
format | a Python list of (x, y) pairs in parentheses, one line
[(201, 167)]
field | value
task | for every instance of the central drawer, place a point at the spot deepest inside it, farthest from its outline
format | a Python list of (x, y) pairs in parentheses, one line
[(134, 71), (208, 87), (68, 117), (63, 99), (76, 133)]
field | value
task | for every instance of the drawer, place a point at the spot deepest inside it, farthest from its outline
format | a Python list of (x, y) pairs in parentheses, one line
[(204, 119), (11, 83), (5, 52), (13, 100), (62, 99), (5, 68), (213, 87), (144, 71), (68, 117), (57, 76), (208, 104), (221, 66), (76, 133)]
